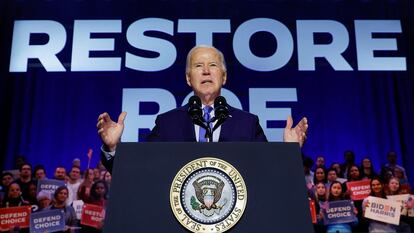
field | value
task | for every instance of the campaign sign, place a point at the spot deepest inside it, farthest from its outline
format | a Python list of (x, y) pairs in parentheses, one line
[(402, 199), (359, 189), (78, 205), (14, 216), (47, 221), (49, 185), (313, 211), (339, 212), (383, 210), (92, 215), (410, 206)]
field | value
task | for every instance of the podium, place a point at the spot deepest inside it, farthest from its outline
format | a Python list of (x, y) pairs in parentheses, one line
[(144, 172)]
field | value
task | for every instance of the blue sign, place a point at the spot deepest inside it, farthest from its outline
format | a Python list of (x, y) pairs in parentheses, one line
[(339, 212), (49, 186), (47, 221)]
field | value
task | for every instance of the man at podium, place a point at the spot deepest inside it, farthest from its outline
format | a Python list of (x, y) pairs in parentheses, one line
[(205, 73)]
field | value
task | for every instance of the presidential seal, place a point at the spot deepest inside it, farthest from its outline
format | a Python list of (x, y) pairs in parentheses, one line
[(208, 195)]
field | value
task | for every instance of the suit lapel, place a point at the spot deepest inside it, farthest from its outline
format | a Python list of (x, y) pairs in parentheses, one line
[(227, 126), (188, 126)]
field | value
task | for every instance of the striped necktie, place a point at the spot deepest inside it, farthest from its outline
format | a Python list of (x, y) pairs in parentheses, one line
[(202, 133)]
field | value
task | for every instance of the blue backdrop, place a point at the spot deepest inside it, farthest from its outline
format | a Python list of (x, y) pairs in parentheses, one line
[(50, 116)]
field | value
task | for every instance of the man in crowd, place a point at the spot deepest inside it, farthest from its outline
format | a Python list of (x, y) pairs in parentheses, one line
[(60, 173), (25, 179), (388, 169), (73, 183), (40, 172), (349, 158), (206, 74)]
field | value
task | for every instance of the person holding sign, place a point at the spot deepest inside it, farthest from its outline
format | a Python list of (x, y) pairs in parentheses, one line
[(14, 197), (336, 194), (377, 190), (98, 197), (320, 195), (59, 202), (394, 188)]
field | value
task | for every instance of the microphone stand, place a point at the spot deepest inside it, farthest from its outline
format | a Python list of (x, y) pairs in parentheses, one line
[(209, 131)]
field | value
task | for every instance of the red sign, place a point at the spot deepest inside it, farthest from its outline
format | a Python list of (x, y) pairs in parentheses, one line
[(313, 211), (359, 189), (93, 215), (14, 216)]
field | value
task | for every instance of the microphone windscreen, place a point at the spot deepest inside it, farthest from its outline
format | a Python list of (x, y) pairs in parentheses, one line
[(194, 108), (194, 100), (220, 101)]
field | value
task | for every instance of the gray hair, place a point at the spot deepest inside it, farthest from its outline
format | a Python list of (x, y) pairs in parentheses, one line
[(190, 53)]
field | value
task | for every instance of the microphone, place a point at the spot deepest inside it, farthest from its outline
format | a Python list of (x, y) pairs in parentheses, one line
[(221, 111), (194, 110)]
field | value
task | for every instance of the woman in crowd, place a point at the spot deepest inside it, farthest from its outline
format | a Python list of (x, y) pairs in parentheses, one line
[(354, 173), (85, 188), (59, 202), (319, 196), (336, 194), (405, 186), (14, 197), (99, 193), (394, 188), (367, 169), (319, 176), (44, 199), (99, 196), (377, 190)]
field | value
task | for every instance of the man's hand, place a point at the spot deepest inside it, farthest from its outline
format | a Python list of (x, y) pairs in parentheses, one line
[(110, 131), (297, 134)]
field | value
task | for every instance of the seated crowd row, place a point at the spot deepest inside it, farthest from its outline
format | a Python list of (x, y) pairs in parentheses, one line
[(89, 187), (338, 182)]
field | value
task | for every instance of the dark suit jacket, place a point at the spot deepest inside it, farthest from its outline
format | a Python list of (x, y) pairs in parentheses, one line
[(177, 126)]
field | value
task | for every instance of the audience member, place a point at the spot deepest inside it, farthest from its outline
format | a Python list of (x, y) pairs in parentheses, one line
[(73, 184), (14, 197), (307, 165), (40, 172), (6, 180), (85, 187), (25, 179), (367, 169), (387, 171), (44, 199), (320, 162), (59, 202), (99, 195), (332, 176), (349, 157), (336, 194), (337, 167), (377, 190), (60, 173), (320, 175)]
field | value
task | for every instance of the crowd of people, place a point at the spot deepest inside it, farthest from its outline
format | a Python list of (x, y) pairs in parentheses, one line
[(326, 184), (90, 186)]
